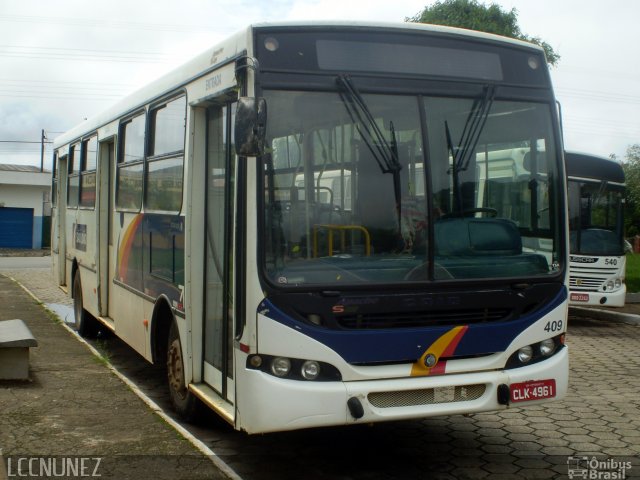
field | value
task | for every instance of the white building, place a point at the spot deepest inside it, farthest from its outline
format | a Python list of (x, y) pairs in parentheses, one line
[(25, 206)]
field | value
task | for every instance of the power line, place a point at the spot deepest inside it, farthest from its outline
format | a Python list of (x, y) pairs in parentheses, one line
[(60, 90), (593, 131), (598, 96), (83, 54), (83, 58), (84, 50), (21, 141), (67, 82), (63, 90), (605, 121), (48, 97), (103, 23), (46, 94)]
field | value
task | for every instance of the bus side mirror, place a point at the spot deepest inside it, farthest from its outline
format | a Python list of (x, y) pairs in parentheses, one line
[(250, 126)]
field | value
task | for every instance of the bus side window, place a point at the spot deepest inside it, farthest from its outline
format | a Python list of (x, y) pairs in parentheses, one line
[(130, 164), (73, 188), (88, 172), (165, 161)]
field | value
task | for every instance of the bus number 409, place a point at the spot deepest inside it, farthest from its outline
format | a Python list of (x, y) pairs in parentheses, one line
[(553, 326)]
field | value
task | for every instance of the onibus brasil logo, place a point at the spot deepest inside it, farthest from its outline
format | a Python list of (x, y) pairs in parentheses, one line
[(594, 468)]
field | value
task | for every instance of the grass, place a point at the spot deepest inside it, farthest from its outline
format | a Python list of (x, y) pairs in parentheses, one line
[(52, 315), (633, 272), (103, 350)]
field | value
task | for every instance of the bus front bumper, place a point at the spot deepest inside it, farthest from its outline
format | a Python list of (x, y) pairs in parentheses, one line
[(272, 404), (600, 299)]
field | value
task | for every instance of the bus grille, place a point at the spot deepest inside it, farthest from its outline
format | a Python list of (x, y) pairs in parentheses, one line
[(423, 319), (426, 396), (589, 284)]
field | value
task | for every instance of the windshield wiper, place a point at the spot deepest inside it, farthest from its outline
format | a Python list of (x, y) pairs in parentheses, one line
[(471, 132), (385, 153)]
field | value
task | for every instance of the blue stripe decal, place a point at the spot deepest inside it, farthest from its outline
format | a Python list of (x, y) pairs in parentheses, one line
[(396, 345)]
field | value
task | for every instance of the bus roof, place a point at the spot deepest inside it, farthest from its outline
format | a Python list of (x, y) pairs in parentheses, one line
[(406, 26), (232, 47), (583, 165)]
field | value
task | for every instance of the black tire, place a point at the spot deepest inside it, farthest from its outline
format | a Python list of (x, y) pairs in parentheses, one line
[(85, 324), (185, 403)]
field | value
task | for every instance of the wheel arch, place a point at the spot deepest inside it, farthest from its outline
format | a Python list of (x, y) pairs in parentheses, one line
[(161, 321)]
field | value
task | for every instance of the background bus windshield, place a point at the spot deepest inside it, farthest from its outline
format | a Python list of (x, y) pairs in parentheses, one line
[(353, 196), (595, 220)]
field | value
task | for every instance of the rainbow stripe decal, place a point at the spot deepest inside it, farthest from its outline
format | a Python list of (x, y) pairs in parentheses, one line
[(444, 346), (126, 244)]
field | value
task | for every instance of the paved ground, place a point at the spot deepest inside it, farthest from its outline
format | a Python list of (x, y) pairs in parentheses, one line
[(599, 419), (73, 406)]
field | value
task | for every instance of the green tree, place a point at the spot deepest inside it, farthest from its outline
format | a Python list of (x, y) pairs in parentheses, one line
[(631, 168), (473, 15)]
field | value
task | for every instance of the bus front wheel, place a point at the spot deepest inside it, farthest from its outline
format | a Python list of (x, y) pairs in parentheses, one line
[(85, 324), (184, 402)]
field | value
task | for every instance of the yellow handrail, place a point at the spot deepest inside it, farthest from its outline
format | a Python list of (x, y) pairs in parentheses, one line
[(342, 229)]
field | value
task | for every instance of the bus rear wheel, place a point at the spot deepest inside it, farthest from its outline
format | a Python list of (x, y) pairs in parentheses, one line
[(85, 324), (184, 402)]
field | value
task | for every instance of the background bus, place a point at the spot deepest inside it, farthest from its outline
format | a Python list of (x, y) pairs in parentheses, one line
[(328, 224), (596, 224)]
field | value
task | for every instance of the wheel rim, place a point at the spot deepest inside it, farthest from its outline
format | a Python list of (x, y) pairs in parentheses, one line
[(175, 371)]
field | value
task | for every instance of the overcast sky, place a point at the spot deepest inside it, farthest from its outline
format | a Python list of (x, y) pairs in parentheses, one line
[(64, 60)]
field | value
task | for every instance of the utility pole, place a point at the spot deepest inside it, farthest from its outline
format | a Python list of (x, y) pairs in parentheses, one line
[(42, 139)]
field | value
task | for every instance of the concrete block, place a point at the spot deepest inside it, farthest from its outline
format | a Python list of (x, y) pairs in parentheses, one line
[(15, 341)]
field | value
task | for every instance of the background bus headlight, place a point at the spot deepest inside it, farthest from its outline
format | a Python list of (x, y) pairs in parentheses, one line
[(310, 370), (525, 354), (280, 366)]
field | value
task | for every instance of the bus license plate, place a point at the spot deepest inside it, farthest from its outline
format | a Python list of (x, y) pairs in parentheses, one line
[(534, 390), (580, 297)]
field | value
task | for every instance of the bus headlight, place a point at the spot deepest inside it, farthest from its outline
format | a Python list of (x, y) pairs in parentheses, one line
[(610, 285), (536, 352), (547, 347), (280, 366), (525, 354), (618, 283), (310, 370), (294, 368)]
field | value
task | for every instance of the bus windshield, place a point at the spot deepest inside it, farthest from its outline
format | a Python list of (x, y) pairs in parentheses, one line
[(386, 189), (595, 220)]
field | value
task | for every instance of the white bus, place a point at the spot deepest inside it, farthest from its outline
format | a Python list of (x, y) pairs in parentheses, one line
[(596, 230), (301, 223)]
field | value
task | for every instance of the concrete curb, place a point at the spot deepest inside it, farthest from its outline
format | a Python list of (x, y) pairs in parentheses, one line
[(608, 315), (632, 298), (199, 445)]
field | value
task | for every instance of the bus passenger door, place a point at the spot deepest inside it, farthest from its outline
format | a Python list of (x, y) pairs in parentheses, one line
[(59, 241), (219, 247), (106, 270)]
